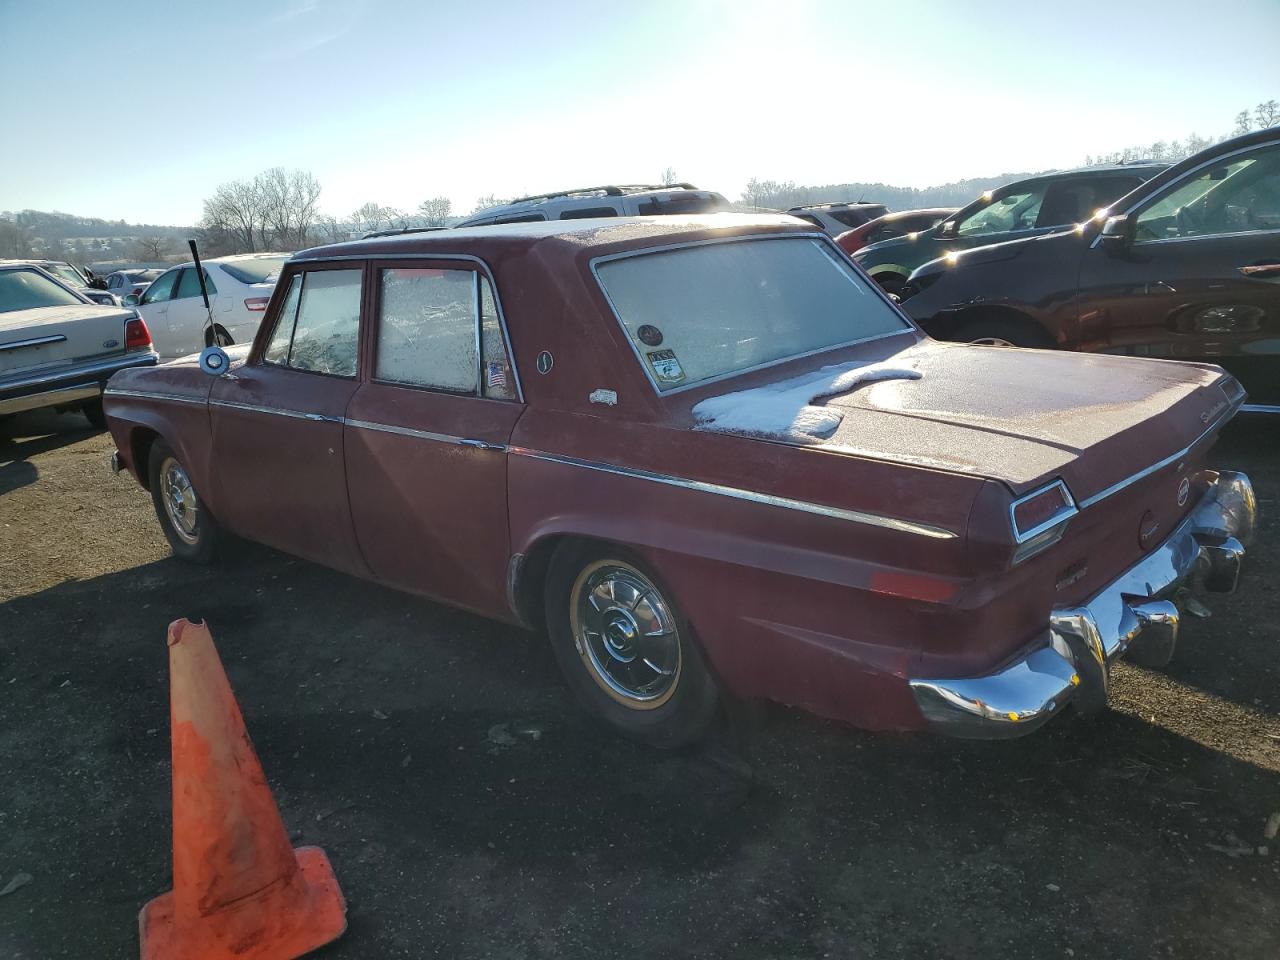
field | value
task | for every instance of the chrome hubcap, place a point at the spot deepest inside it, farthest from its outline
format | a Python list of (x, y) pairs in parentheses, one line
[(180, 501), (992, 342), (626, 634)]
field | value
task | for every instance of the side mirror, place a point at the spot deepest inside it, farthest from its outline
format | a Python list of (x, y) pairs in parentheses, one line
[(214, 361), (131, 300), (1117, 233), (948, 230)]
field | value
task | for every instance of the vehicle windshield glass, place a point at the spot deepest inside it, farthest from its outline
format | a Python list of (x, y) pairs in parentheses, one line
[(257, 270), (704, 312), (64, 272), (27, 289)]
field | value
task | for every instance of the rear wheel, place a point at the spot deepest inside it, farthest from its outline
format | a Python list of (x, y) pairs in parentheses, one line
[(1002, 332), (94, 414), (624, 648), (188, 525), (218, 335)]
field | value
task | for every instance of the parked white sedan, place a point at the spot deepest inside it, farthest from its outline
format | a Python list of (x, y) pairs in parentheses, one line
[(239, 288)]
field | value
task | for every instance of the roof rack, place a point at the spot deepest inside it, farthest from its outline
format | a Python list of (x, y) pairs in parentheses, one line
[(396, 231), (609, 190)]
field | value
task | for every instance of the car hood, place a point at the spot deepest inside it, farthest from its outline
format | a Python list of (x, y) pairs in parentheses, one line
[(1026, 417), (888, 246), (990, 253)]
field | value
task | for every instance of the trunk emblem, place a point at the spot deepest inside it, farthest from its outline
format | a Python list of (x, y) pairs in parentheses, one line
[(110, 344), (1184, 491)]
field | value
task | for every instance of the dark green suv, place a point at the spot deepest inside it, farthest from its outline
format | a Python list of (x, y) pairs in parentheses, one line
[(1022, 209)]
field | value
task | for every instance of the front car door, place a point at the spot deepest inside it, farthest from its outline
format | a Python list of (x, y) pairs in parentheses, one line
[(279, 466), (426, 434), (153, 306), (1199, 278)]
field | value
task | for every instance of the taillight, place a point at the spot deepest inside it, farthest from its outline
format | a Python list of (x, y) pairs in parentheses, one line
[(136, 334), (1040, 519), (257, 304)]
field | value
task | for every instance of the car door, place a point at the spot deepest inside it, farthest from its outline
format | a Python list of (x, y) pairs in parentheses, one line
[(426, 434), (187, 317), (153, 306), (280, 475), (1199, 277)]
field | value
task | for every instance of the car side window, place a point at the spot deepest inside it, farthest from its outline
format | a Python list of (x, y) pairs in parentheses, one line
[(319, 324), (430, 323), (1075, 201), (189, 284), (1239, 195), (161, 289), (1013, 211)]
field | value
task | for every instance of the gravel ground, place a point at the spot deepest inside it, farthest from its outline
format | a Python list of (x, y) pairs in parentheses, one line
[(471, 810)]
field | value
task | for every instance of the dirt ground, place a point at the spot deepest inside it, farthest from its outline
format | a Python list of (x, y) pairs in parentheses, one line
[(471, 810)]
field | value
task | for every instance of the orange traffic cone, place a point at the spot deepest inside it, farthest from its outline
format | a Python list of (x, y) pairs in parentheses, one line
[(239, 889)]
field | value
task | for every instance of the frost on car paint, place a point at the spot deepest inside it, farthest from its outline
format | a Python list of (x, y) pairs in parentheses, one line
[(784, 409)]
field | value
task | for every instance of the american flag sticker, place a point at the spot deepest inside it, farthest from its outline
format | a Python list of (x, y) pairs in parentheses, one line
[(496, 374)]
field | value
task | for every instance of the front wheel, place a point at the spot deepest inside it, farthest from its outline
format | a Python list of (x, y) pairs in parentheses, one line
[(188, 525), (624, 649)]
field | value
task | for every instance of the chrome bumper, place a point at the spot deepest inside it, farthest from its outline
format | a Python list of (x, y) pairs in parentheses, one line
[(1133, 615), (68, 385)]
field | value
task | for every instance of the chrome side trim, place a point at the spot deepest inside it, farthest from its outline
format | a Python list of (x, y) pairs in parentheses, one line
[(152, 395), (277, 411), (73, 373), (33, 342), (737, 493), (834, 250), (1231, 409), (425, 435), (1260, 408)]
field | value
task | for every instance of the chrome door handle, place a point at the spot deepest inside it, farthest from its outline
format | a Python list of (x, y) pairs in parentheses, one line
[(1261, 270), (320, 418), (481, 444)]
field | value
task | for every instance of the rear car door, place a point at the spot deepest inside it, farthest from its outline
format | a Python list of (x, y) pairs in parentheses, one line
[(426, 434), (187, 316), (279, 474), (1200, 277), (153, 305)]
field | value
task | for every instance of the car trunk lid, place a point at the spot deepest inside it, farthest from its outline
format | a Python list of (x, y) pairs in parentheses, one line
[(48, 337)]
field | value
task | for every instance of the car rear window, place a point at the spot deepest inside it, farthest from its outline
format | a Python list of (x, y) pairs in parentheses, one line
[(704, 312), (27, 289), (257, 270), (859, 215), (664, 205)]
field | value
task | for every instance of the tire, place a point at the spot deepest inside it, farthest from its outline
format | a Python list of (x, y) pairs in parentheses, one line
[(217, 335), (94, 414), (891, 283), (192, 531), (998, 331), (664, 696)]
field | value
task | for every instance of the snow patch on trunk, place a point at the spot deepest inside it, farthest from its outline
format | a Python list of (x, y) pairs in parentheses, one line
[(784, 410)]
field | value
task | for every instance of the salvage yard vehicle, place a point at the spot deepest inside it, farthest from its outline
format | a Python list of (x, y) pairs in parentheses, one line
[(73, 277), (713, 459), (837, 218), (239, 288), (1187, 267), (1025, 208), (57, 349), (582, 203), (892, 225)]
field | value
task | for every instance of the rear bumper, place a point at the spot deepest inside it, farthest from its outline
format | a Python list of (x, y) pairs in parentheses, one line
[(1071, 661), (68, 385)]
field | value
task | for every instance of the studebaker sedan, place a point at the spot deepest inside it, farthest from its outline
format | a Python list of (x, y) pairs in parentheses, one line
[(713, 459)]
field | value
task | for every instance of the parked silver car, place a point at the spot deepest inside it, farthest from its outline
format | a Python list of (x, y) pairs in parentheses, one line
[(57, 348)]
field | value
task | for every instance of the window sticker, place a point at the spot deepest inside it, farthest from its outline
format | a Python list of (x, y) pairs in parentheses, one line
[(495, 374), (666, 368)]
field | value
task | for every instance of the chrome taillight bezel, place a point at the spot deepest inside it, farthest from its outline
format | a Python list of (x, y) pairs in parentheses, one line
[(1048, 531)]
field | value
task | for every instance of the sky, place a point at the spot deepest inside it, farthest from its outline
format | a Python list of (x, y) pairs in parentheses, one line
[(138, 110)]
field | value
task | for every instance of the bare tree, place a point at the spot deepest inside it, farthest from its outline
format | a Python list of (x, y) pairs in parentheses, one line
[(287, 200), (235, 212), (152, 248), (370, 216), (330, 229), (1267, 114), (1244, 123), (489, 200), (435, 212), (669, 177), (15, 239)]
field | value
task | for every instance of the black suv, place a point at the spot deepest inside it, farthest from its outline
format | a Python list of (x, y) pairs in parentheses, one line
[(1187, 266)]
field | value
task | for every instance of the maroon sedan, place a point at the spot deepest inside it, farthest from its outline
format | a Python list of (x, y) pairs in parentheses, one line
[(713, 460)]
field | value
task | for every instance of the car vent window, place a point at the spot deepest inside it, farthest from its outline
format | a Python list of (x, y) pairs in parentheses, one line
[(499, 382), (326, 333), (427, 329), (282, 336)]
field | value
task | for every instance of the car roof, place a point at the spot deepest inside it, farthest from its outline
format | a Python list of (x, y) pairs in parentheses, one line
[(580, 234), (837, 205)]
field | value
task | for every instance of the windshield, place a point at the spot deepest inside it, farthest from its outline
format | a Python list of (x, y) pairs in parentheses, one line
[(703, 312), (257, 270), (27, 289)]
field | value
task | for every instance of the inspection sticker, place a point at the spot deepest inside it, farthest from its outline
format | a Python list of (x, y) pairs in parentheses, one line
[(666, 368)]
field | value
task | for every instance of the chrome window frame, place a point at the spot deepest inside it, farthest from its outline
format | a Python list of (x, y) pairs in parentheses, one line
[(909, 326), (481, 268)]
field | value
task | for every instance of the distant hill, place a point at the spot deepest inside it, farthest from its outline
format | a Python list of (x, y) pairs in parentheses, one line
[(87, 240)]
